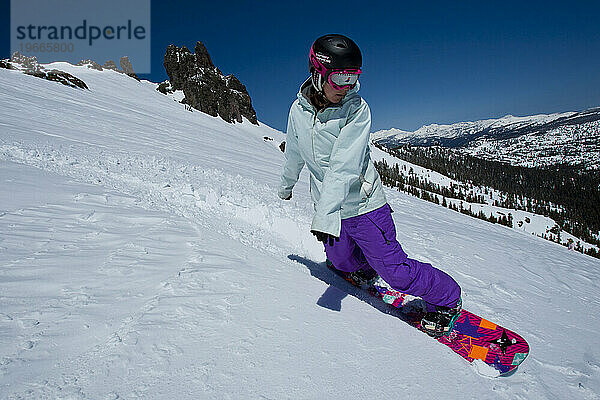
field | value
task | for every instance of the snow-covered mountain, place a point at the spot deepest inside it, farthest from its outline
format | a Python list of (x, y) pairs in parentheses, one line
[(144, 254), (539, 140)]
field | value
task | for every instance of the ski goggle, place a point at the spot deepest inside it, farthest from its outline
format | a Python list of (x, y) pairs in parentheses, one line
[(343, 79), (338, 79)]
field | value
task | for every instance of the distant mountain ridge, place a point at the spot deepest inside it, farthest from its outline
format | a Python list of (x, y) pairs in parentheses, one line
[(540, 140)]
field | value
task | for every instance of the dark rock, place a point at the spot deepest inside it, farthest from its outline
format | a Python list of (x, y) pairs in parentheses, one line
[(37, 74), (179, 64), (66, 79), (29, 64), (90, 64), (58, 76), (127, 68), (234, 83), (5, 64), (126, 65), (282, 147), (165, 87), (202, 57), (110, 64), (204, 86)]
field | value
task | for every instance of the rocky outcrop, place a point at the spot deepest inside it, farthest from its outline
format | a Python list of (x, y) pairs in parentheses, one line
[(165, 87), (60, 77), (30, 66), (110, 64), (90, 64), (5, 64), (204, 85), (126, 67)]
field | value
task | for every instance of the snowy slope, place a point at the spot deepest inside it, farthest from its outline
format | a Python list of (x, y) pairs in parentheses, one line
[(145, 254)]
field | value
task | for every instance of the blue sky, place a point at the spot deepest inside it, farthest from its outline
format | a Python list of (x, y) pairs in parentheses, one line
[(436, 62)]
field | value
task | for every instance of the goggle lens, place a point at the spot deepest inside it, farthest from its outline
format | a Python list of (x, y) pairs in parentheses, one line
[(344, 79)]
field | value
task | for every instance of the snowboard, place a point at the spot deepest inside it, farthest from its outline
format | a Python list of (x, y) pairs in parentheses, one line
[(471, 337)]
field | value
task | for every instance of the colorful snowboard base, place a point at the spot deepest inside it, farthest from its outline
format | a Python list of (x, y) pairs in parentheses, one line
[(471, 337)]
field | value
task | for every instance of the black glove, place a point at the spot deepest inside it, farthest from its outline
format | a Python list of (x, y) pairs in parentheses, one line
[(325, 237)]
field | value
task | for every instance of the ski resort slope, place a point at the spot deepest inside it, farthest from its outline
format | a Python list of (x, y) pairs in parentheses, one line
[(144, 254)]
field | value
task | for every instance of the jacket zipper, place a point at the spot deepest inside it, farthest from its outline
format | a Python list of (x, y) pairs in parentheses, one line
[(312, 136)]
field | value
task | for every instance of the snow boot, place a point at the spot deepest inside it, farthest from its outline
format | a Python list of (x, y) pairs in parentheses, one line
[(440, 322), (363, 278)]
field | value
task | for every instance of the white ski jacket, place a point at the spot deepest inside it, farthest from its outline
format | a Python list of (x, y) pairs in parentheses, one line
[(334, 145)]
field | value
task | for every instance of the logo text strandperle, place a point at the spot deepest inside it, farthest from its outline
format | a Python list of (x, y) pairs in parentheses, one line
[(82, 32)]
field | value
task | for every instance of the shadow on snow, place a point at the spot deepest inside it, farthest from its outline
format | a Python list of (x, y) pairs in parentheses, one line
[(339, 288)]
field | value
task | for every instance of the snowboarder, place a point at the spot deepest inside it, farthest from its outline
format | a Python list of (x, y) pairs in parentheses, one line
[(328, 131)]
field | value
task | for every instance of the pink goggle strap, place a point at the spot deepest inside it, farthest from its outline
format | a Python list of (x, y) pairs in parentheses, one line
[(316, 63)]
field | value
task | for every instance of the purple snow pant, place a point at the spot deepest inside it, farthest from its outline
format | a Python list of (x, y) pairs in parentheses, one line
[(369, 240)]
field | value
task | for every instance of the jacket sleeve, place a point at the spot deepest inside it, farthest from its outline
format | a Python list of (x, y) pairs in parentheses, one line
[(345, 163), (293, 161)]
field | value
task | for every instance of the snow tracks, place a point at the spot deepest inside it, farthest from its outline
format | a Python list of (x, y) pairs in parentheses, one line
[(240, 207)]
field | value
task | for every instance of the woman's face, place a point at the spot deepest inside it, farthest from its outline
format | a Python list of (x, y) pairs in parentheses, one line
[(334, 96)]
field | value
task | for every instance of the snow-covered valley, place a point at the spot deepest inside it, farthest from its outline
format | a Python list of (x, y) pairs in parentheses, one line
[(523, 221), (144, 253)]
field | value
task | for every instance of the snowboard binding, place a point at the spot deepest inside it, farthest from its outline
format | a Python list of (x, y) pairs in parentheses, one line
[(362, 278), (440, 322)]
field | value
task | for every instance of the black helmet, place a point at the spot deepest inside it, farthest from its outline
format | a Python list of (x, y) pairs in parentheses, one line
[(332, 52)]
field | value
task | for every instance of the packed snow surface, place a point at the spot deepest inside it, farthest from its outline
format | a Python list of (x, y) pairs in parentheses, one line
[(144, 254)]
